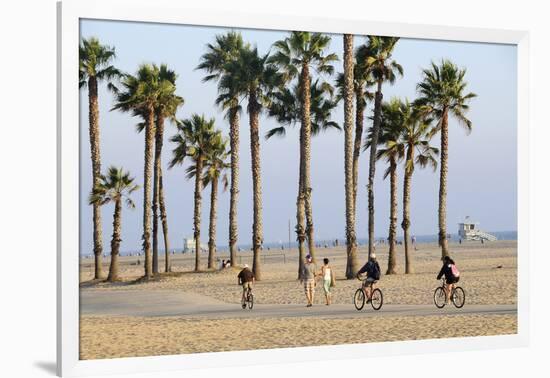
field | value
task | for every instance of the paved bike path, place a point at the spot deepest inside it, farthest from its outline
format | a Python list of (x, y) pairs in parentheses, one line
[(176, 303)]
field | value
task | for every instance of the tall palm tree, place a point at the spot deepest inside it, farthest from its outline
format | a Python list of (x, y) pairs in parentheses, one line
[(215, 170), (296, 55), (115, 187), (140, 95), (361, 82), (251, 77), (346, 84), (227, 48), (287, 110), (415, 137), (442, 92), (194, 139), (383, 69), (166, 107), (94, 67), (392, 150)]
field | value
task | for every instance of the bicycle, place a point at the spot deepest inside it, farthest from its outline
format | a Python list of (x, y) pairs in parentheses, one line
[(376, 298), (248, 299), (458, 296)]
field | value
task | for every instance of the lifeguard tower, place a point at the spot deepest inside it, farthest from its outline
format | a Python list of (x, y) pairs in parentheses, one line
[(189, 245), (469, 230)]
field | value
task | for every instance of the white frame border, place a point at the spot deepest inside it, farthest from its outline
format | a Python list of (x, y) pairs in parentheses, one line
[(166, 11)]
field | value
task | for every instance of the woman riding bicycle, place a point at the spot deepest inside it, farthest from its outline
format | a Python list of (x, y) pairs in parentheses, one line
[(450, 272)]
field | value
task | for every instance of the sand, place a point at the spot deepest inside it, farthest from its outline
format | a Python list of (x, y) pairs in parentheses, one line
[(481, 277), (488, 276), (111, 337)]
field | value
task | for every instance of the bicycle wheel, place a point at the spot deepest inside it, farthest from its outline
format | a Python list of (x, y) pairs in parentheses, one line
[(458, 297), (250, 301), (439, 297), (359, 299), (376, 299)]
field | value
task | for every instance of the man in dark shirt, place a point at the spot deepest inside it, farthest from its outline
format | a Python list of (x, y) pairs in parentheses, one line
[(373, 274), (246, 279)]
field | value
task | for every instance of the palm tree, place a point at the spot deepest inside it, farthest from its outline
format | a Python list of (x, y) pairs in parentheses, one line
[(442, 92), (141, 95), (383, 69), (227, 49), (95, 66), (253, 78), (194, 139), (115, 187), (295, 56), (286, 109), (415, 137), (167, 105), (346, 84), (391, 127), (216, 167), (361, 81)]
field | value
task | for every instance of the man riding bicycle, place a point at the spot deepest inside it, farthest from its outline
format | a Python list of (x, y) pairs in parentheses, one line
[(246, 279), (373, 274)]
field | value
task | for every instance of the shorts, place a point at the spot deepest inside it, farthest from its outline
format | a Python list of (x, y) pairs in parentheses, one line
[(309, 285), (247, 285), (452, 280), (368, 281)]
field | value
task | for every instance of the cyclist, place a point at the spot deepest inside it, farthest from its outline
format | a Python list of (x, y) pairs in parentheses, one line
[(451, 274), (373, 274), (246, 279)]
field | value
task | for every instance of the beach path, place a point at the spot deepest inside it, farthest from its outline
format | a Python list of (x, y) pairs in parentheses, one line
[(154, 303)]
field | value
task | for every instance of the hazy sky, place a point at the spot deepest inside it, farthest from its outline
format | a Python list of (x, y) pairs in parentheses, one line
[(482, 180)]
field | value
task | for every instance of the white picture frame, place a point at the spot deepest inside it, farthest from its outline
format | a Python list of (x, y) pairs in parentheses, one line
[(164, 11)]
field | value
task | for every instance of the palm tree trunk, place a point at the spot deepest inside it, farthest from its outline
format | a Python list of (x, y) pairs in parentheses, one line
[(212, 228), (197, 211), (157, 166), (164, 219), (300, 212), (359, 116), (234, 190), (407, 209), (147, 173), (351, 238), (115, 242), (306, 126), (257, 226), (93, 114), (393, 217), (372, 163), (443, 243)]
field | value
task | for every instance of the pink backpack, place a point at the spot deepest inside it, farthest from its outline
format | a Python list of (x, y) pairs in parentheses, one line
[(454, 271)]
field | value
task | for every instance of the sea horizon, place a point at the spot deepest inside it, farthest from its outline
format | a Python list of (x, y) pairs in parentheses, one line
[(284, 245)]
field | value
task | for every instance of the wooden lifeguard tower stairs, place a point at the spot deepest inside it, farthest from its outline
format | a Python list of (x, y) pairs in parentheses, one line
[(469, 230)]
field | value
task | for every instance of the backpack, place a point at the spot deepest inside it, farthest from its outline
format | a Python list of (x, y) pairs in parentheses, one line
[(454, 271), (375, 271)]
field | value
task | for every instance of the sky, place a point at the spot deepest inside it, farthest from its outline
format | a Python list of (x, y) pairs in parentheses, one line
[(482, 180)]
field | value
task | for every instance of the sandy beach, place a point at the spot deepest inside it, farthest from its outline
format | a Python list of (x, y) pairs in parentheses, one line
[(488, 275)]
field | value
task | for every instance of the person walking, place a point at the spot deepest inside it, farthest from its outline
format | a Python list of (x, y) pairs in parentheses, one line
[(308, 280), (328, 280)]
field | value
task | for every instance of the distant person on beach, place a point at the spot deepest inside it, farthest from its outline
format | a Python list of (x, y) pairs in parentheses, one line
[(413, 240), (246, 279), (308, 280), (372, 269), (327, 274), (228, 264), (223, 264), (452, 276)]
